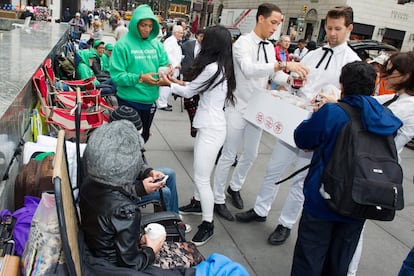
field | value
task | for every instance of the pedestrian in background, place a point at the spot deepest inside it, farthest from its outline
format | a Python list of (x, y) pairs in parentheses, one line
[(77, 26), (174, 52)]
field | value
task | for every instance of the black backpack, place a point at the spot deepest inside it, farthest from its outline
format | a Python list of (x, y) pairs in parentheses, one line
[(363, 178)]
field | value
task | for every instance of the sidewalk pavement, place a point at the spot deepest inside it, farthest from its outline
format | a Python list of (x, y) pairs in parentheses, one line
[(386, 244)]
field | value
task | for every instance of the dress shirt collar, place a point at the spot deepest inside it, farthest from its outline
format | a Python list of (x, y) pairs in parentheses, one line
[(256, 38)]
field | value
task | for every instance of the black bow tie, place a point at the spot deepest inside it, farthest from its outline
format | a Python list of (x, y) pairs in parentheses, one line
[(262, 43), (327, 50)]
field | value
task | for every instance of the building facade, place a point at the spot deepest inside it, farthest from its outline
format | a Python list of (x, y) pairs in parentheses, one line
[(382, 20)]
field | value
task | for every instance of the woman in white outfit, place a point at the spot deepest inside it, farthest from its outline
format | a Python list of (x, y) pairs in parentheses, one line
[(399, 76), (212, 76)]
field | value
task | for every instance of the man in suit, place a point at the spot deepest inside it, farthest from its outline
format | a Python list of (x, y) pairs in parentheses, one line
[(191, 49)]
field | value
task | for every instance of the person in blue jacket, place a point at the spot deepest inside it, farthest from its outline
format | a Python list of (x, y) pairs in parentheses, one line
[(326, 240)]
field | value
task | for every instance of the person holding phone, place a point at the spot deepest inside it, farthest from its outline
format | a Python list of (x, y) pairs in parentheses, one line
[(136, 58)]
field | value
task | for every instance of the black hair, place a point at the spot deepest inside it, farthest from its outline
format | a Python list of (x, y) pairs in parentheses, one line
[(311, 45), (216, 47), (358, 78), (403, 62), (266, 10), (301, 41), (199, 31)]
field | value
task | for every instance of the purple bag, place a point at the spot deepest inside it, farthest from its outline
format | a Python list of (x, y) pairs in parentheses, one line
[(23, 218)]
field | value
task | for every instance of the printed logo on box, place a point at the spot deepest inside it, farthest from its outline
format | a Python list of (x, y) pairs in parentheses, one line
[(269, 122), (278, 128), (259, 117)]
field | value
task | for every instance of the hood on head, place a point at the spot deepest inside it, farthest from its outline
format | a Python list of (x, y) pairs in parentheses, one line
[(140, 13), (86, 54), (113, 154)]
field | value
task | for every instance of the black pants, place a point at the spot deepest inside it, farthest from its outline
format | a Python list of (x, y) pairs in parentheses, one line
[(324, 247), (147, 116)]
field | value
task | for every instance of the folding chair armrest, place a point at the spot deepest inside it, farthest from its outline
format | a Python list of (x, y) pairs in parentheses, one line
[(159, 217), (79, 82)]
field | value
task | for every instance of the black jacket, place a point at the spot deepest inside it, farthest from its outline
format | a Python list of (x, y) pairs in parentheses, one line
[(188, 53), (111, 224)]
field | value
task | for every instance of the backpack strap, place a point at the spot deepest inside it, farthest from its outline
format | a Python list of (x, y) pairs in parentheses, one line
[(298, 171), (353, 113)]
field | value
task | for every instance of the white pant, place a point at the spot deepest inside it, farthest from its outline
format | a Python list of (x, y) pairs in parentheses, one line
[(238, 129), (283, 156), (165, 92), (353, 266), (206, 147)]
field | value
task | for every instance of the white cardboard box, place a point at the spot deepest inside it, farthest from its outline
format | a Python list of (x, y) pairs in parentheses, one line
[(276, 116)]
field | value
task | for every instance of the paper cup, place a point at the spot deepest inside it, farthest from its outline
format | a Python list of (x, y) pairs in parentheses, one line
[(163, 71), (154, 230)]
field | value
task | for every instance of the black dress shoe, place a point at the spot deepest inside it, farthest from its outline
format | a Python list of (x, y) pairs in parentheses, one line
[(167, 108), (222, 211), (249, 216), (235, 198), (279, 236)]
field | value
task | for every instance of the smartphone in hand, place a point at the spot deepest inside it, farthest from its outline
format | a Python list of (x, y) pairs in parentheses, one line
[(160, 180)]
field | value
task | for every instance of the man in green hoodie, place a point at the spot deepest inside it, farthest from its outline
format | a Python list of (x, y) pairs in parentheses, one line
[(84, 70), (135, 61)]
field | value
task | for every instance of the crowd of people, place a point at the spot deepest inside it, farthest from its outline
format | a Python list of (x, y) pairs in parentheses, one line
[(147, 64)]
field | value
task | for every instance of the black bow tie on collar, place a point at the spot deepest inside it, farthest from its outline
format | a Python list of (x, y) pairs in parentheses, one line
[(262, 43), (327, 50)]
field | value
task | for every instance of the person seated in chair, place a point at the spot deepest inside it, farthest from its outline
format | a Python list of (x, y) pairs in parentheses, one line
[(106, 57), (169, 191), (84, 70), (111, 221), (97, 63)]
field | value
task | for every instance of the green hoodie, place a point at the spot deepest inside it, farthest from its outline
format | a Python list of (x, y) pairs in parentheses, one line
[(105, 61), (83, 70), (133, 56)]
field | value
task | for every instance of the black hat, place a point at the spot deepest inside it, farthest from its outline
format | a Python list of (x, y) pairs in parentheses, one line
[(124, 112)]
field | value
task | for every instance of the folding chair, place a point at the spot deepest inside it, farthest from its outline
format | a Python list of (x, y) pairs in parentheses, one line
[(63, 117), (86, 84)]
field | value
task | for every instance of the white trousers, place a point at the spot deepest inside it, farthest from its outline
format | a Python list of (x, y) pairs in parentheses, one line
[(353, 266), (206, 147), (165, 92), (238, 130), (283, 156)]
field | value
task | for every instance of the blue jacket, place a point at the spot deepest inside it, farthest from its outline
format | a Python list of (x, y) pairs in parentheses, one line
[(321, 131), (219, 265)]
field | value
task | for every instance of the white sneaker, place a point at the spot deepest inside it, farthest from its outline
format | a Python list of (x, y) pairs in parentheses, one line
[(188, 228)]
